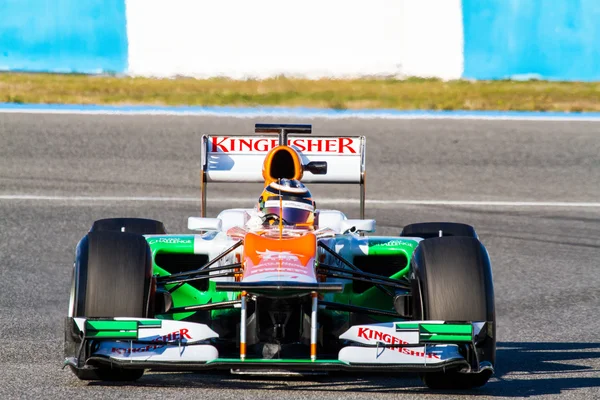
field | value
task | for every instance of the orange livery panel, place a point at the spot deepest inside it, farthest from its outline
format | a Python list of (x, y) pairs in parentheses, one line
[(286, 258)]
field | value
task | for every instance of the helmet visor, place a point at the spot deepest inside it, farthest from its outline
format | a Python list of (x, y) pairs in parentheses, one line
[(292, 212)]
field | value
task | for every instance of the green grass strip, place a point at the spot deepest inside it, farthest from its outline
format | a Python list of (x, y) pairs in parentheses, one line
[(408, 94)]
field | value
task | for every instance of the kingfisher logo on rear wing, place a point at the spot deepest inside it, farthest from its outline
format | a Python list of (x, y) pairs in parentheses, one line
[(314, 146), (241, 158)]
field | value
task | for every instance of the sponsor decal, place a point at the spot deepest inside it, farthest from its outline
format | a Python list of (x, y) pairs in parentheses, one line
[(170, 241), (278, 261), (372, 334), (393, 243), (334, 145), (281, 266), (181, 334), (288, 203), (276, 268), (158, 343), (134, 350), (284, 255)]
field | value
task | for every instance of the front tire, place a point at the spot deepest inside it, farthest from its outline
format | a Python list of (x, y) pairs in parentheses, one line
[(112, 278), (454, 280), (141, 226), (428, 230)]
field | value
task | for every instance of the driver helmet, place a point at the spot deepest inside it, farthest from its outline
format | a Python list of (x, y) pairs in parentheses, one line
[(290, 200)]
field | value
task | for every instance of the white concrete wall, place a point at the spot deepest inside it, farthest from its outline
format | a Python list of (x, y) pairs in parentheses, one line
[(303, 38), (431, 41)]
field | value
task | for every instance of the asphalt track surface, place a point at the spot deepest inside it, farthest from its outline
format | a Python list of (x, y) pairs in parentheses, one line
[(545, 258)]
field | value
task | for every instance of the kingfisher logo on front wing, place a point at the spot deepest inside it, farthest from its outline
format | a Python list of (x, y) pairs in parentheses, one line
[(157, 343), (370, 334)]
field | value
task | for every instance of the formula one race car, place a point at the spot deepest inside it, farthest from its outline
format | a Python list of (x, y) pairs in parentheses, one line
[(283, 286)]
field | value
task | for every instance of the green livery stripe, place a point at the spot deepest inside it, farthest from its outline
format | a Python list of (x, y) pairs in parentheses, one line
[(113, 329), (274, 361), (110, 325), (111, 334), (451, 329), (157, 323), (406, 326), (445, 333), (444, 338), (438, 332)]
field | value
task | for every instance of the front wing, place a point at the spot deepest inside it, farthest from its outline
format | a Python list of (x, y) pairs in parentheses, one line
[(415, 346)]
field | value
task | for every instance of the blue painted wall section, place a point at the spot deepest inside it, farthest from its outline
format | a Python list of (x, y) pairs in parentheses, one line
[(86, 36), (547, 39)]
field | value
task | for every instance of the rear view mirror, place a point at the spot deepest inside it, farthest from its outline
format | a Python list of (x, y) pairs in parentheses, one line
[(316, 167), (357, 225), (204, 224)]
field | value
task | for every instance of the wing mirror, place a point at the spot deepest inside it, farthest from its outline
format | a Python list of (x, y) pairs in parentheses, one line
[(357, 225), (316, 167), (204, 224)]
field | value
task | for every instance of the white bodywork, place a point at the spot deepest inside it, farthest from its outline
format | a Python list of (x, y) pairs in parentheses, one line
[(248, 218), (170, 331), (385, 334), (216, 240), (240, 158), (183, 341), (171, 341)]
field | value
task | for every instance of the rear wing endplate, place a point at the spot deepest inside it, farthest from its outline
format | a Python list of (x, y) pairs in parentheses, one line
[(236, 158)]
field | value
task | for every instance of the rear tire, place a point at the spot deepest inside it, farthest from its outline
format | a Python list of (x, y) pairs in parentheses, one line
[(428, 230), (140, 226), (454, 280), (113, 278)]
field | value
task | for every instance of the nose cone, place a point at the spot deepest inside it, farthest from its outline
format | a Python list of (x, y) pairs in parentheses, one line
[(279, 260)]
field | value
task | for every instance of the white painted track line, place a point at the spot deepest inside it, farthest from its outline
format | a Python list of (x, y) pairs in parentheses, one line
[(251, 200)]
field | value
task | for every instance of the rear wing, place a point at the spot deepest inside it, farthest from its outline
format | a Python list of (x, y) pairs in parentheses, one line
[(235, 158)]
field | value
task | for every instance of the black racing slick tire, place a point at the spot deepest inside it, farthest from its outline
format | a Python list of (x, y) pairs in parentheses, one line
[(454, 283), (112, 278), (428, 230), (141, 226)]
